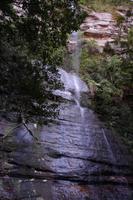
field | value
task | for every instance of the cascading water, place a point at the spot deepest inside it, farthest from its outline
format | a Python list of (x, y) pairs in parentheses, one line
[(77, 157), (74, 87), (75, 43), (71, 80)]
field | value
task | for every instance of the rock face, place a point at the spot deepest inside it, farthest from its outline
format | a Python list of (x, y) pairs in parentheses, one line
[(102, 27), (77, 158)]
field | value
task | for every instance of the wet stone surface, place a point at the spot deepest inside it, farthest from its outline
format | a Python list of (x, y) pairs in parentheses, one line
[(76, 158)]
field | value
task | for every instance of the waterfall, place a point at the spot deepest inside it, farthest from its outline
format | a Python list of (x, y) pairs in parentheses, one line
[(74, 86), (76, 157), (75, 43)]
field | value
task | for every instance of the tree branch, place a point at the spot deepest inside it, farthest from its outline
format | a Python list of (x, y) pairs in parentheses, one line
[(30, 132)]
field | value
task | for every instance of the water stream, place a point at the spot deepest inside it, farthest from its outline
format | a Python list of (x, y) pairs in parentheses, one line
[(77, 158)]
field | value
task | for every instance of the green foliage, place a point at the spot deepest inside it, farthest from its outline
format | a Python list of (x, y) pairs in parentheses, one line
[(26, 86), (33, 34), (103, 1), (105, 73), (104, 5), (130, 37), (41, 25), (130, 42), (110, 79), (120, 19)]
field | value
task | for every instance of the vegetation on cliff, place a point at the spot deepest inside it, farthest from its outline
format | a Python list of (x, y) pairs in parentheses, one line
[(31, 36), (110, 79), (104, 5)]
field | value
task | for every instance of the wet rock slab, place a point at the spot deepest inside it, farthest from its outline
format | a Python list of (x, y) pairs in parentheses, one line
[(76, 158), (17, 189)]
